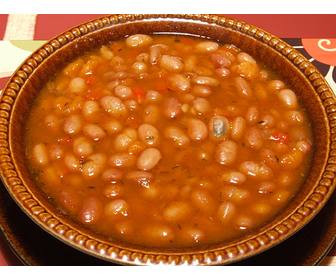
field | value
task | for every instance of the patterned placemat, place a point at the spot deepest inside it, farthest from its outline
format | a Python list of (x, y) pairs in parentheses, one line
[(20, 35)]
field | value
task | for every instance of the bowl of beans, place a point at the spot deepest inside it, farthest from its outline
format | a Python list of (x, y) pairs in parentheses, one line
[(168, 139)]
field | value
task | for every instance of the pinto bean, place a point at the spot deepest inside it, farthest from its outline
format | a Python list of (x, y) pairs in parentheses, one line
[(223, 72), (114, 106), (117, 207), (148, 159), (219, 127), (179, 82), (203, 200), (226, 212), (226, 152), (82, 147), (112, 126), (112, 190), (171, 63), (123, 92), (202, 91), (238, 128), (71, 162), (141, 177), (91, 210), (172, 108), (138, 40), (155, 52), (94, 165), (77, 85), (148, 134), (252, 115), (276, 85), (94, 131), (73, 124), (197, 130), (220, 60), (205, 81), (90, 108), (254, 138), (123, 141), (259, 171), (233, 193), (177, 135), (243, 87), (177, 211), (159, 234), (206, 46), (112, 174), (201, 105), (139, 67), (233, 177), (244, 57), (153, 96)]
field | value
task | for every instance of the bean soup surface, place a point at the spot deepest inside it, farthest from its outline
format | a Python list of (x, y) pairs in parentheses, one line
[(168, 141)]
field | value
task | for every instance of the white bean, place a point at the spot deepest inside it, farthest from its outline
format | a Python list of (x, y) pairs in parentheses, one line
[(202, 200), (77, 85), (252, 115), (238, 127), (151, 114), (172, 108), (112, 126), (153, 96), (177, 135), (197, 130), (91, 210), (148, 134), (155, 52), (260, 171), (148, 159), (82, 147), (140, 177), (106, 52), (139, 67), (94, 131), (220, 60), (241, 57), (226, 211), (171, 63), (90, 108), (123, 92), (52, 122), (112, 190), (201, 105), (254, 138), (112, 175), (122, 141), (202, 91), (276, 85), (40, 154), (179, 82), (94, 165), (223, 72), (288, 98), (243, 87), (56, 152), (138, 40), (73, 124), (207, 46), (117, 207), (177, 211), (295, 117), (233, 177), (219, 127), (226, 152), (71, 162), (113, 105), (122, 160)]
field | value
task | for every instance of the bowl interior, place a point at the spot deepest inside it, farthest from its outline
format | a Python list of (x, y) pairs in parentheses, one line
[(264, 53)]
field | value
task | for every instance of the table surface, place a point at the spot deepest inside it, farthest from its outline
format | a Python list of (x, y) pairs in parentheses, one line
[(20, 35)]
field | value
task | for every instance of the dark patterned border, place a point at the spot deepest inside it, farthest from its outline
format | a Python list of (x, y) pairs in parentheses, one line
[(50, 222)]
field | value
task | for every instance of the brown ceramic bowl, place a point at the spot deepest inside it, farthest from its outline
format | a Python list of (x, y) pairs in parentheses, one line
[(308, 83)]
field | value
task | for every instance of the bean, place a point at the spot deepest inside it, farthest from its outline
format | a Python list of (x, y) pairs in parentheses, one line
[(244, 57), (192, 235), (106, 52), (254, 138), (40, 154), (243, 87), (123, 92), (138, 40), (73, 124), (233, 177), (238, 128), (226, 152), (154, 54), (112, 175), (232, 193), (205, 81), (172, 108), (140, 177), (244, 222), (113, 190), (179, 82), (292, 160), (177, 211), (220, 60), (276, 85), (171, 63), (158, 234), (153, 96), (223, 72), (94, 165), (149, 134), (197, 130), (143, 57), (90, 108), (246, 69), (267, 121), (282, 196), (288, 98), (117, 207), (124, 228), (151, 114), (203, 71), (50, 176), (139, 67), (77, 85), (150, 191), (202, 91), (112, 126), (226, 212), (114, 106), (148, 159), (122, 160), (71, 162), (91, 210), (136, 147), (252, 115), (177, 135), (52, 122), (207, 46), (201, 105), (56, 152), (294, 117), (82, 147), (69, 200), (203, 200), (304, 146), (260, 171), (266, 188), (122, 142), (285, 179), (94, 131), (219, 127)]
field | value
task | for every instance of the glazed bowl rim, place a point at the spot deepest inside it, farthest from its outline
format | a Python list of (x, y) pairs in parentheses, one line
[(50, 222)]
